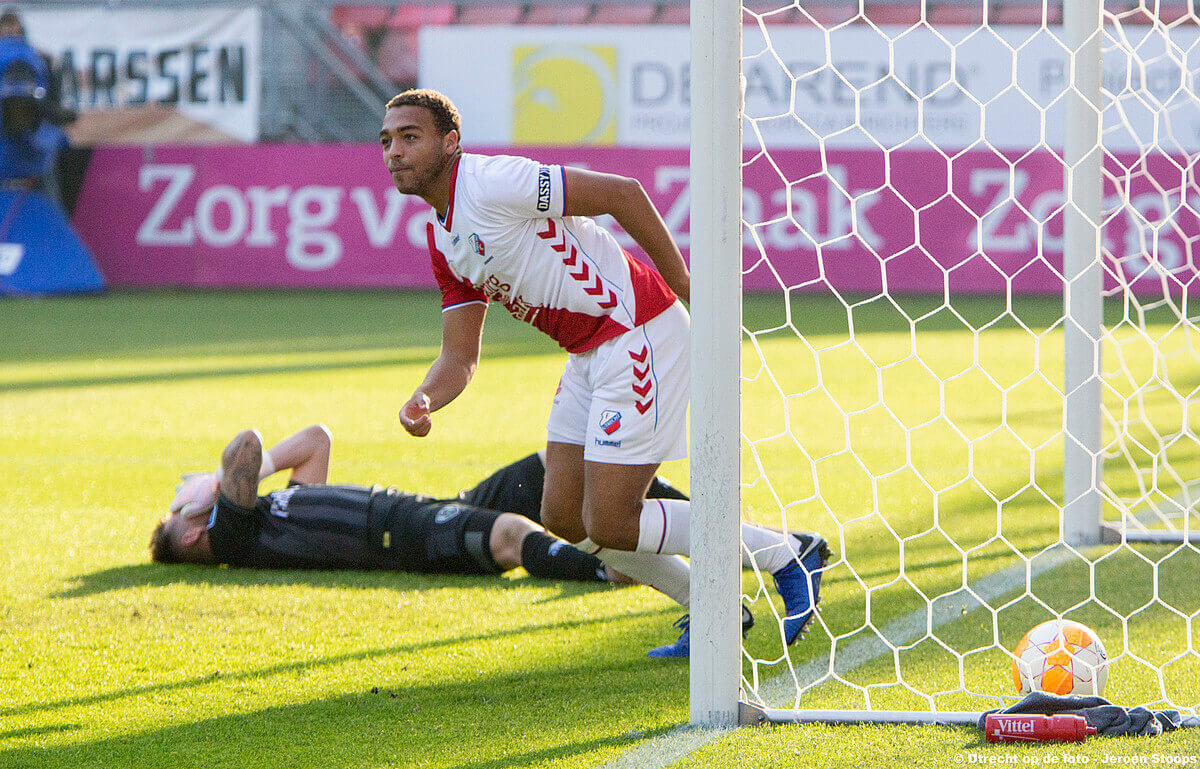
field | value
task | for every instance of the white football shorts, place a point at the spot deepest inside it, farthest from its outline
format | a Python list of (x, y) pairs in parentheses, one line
[(626, 400)]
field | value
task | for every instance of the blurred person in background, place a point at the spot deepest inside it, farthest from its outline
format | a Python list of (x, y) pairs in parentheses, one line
[(30, 136)]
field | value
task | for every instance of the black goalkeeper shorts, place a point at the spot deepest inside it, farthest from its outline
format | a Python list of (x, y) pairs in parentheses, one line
[(449, 538)]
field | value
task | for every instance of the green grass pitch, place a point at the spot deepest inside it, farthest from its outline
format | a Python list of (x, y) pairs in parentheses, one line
[(108, 660)]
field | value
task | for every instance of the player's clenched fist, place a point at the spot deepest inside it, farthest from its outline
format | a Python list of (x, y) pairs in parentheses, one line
[(414, 415)]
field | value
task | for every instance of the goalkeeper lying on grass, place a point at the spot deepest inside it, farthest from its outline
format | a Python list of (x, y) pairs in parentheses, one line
[(219, 518)]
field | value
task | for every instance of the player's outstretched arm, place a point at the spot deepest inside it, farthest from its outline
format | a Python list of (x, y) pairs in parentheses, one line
[(305, 453), (594, 194), (240, 464), (462, 336)]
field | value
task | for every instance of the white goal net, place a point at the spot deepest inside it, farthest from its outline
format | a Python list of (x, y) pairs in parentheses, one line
[(989, 433)]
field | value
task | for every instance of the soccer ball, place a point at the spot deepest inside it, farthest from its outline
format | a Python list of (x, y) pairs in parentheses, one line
[(1060, 657)]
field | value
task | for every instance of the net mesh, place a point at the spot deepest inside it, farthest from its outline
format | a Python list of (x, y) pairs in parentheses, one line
[(903, 362)]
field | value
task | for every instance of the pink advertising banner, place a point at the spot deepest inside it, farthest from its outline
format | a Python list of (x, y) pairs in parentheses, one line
[(326, 216)]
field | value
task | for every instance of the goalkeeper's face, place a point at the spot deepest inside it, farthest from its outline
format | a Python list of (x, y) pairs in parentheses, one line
[(415, 153), (188, 537)]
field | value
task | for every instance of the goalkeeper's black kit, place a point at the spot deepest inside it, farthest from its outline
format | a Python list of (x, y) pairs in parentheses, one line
[(359, 527), (517, 488), (353, 527)]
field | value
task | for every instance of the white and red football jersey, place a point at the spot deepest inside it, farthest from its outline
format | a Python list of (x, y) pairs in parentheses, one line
[(505, 238)]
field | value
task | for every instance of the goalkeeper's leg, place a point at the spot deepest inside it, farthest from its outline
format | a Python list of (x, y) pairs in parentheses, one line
[(516, 541)]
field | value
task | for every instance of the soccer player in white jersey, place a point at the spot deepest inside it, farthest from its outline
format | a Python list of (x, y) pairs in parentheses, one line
[(513, 231)]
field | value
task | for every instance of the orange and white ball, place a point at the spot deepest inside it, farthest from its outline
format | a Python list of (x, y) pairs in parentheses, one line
[(1060, 657)]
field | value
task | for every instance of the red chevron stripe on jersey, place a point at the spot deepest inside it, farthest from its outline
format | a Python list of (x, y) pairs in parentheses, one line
[(583, 274), (563, 274), (551, 232), (643, 382), (596, 289)]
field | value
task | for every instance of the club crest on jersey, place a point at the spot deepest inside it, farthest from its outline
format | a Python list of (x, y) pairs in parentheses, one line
[(447, 513), (610, 421), (475, 244)]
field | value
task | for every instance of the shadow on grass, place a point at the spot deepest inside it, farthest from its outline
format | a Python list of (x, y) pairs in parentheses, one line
[(162, 575), (300, 666), (168, 323), (536, 756), (931, 565), (496, 351), (34, 731), (816, 314), (50, 383), (193, 325), (546, 715)]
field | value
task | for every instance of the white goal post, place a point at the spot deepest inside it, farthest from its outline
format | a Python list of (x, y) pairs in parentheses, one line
[(988, 436), (1082, 274), (716, 302)]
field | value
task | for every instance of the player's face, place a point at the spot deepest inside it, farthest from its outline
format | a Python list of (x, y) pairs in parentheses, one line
[(415, 153), (176, 527), (188, 537)]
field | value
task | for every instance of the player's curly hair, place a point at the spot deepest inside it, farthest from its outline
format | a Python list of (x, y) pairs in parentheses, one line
[(445, 114), (160, 545)]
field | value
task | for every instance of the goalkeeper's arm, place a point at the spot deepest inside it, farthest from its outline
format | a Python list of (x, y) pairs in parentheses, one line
[(240, 465), (244, 463), (305, 453)]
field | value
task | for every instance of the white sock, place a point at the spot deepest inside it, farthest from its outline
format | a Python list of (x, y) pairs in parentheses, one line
[(668, 574), (768, 549), (664, 527), (665, 524)]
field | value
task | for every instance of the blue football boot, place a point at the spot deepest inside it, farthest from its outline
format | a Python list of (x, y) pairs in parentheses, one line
[(683, 645), (799, 583)]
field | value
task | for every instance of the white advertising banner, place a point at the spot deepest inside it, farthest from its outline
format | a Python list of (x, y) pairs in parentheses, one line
[(155, 74), (853, 87)]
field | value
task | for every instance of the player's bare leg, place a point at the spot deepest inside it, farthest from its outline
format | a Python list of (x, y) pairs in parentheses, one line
[(517, 541), (614, 508), (562, 513), (616, 515), (562, 492), (508, 533), (612, 502)]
